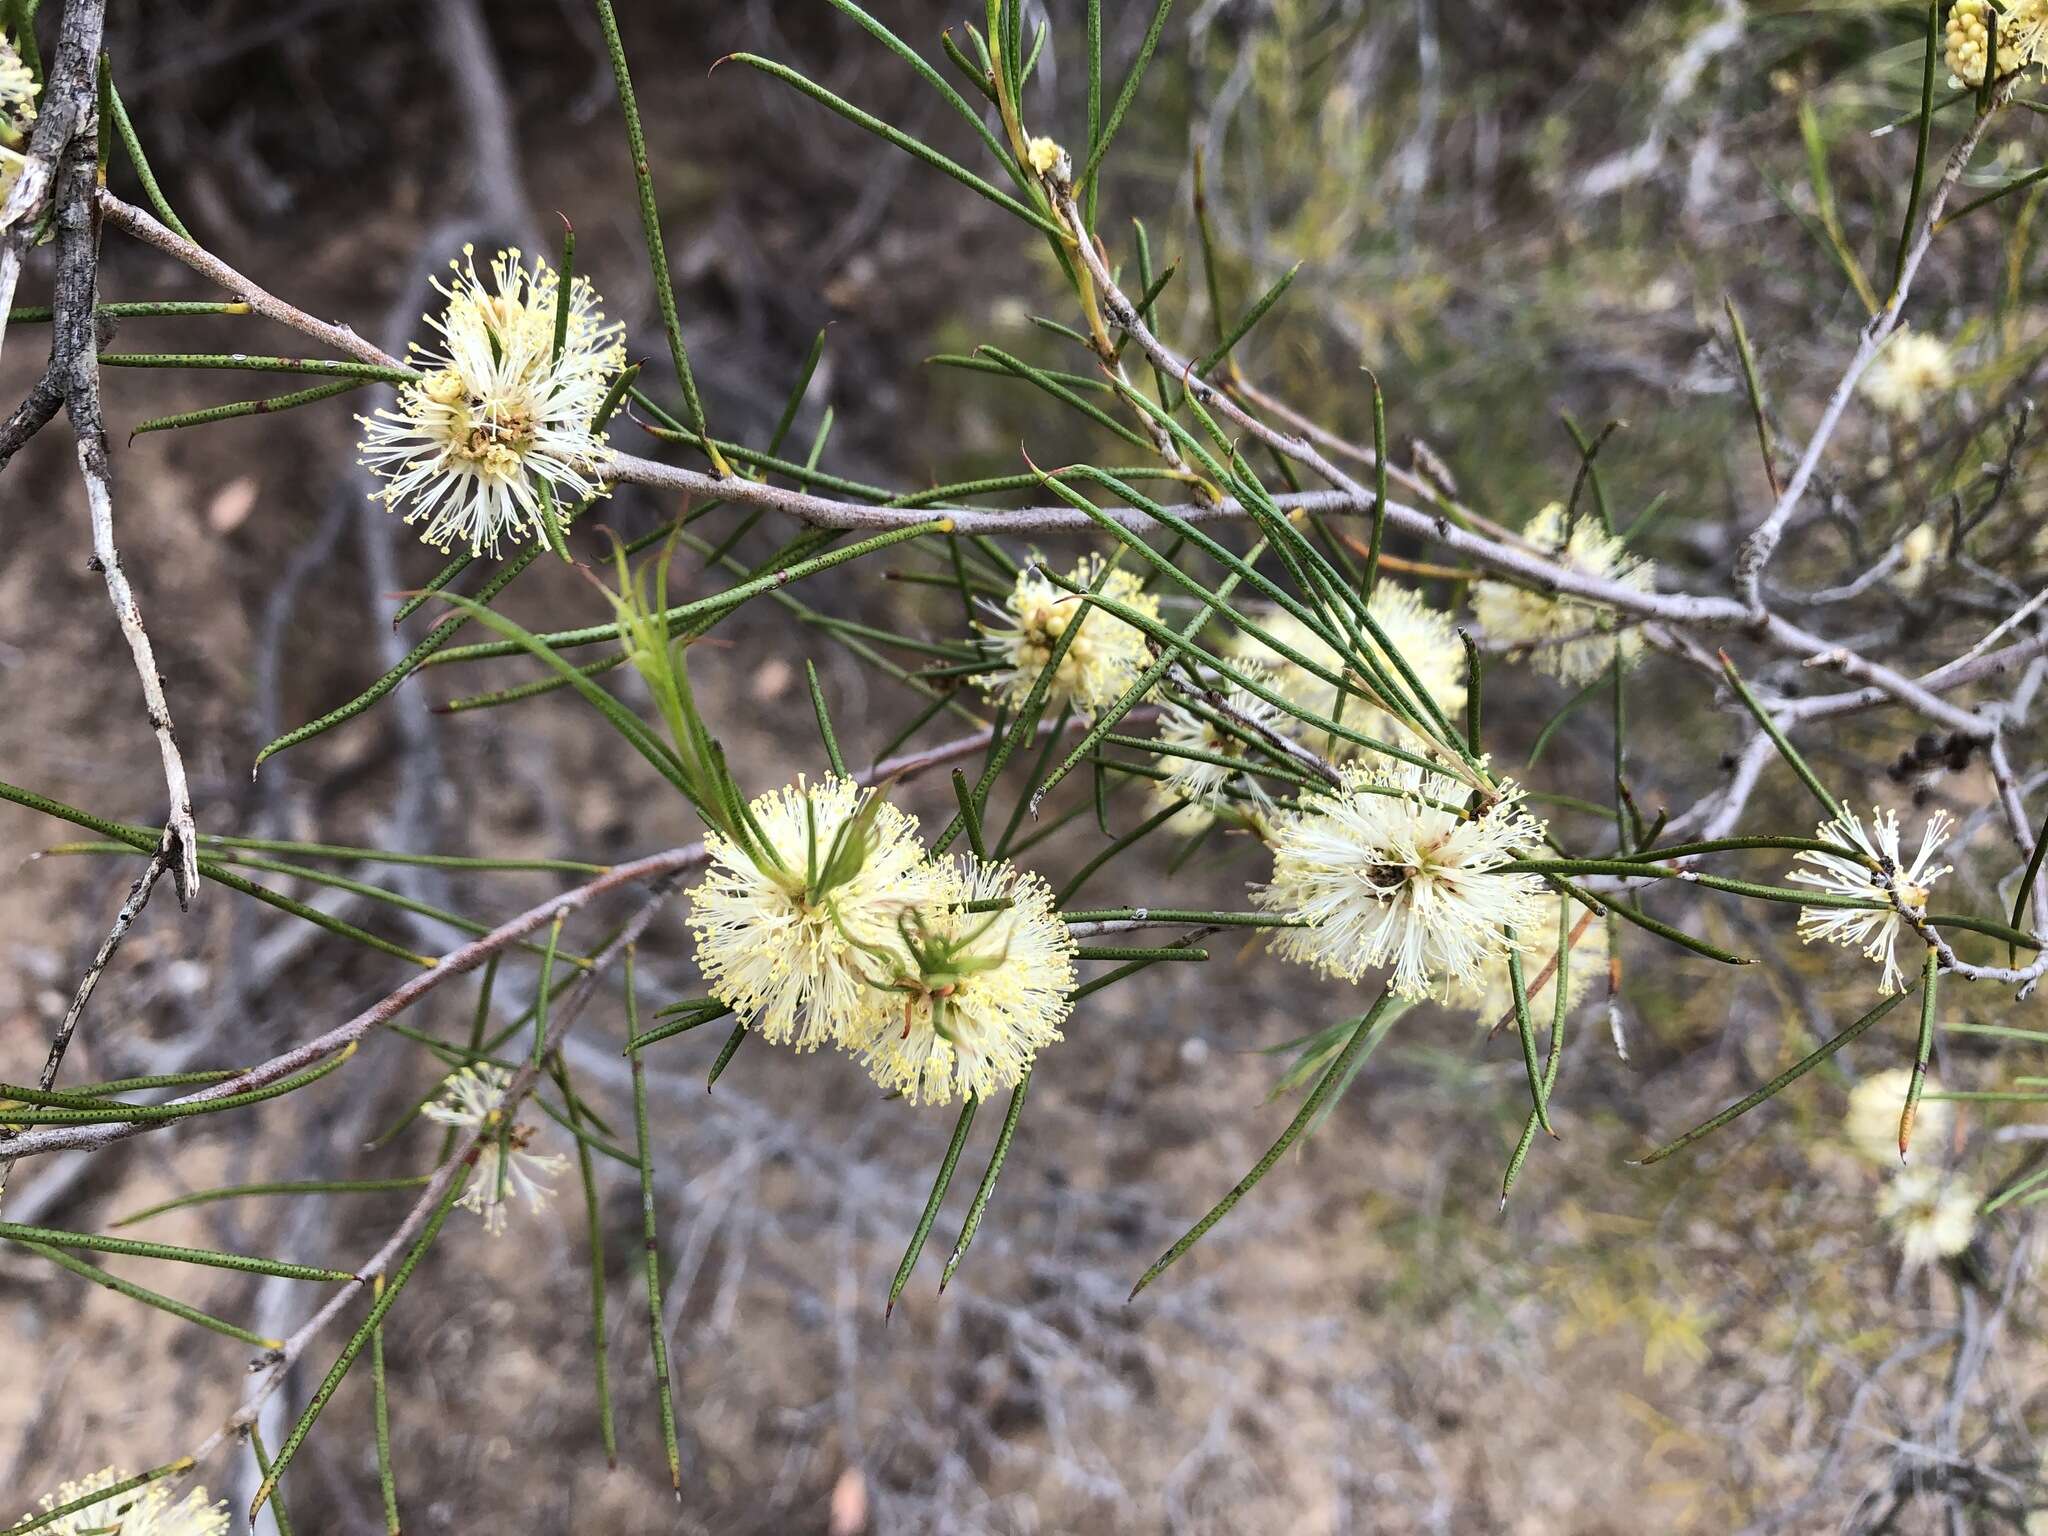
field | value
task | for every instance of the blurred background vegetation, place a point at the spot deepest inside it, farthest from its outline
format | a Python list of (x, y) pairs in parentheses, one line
[(1508, 211)]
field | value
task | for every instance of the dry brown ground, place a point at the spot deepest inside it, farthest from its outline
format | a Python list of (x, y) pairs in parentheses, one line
[(1366, 1347)]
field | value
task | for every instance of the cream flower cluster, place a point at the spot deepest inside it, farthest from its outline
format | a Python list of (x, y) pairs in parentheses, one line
[(788, 957), (2022, 38), (1874, 930), (1195, 723), (1876, 1105), (17, 112), (1105, 657), (1394, 870), (145, 1511), (1425, 638), (1911, 370), (1049, 160), (942, 976), (981, 985), (1917, 552), (507, 1166), (1932, 1212), (1569, 639), (499, 420)]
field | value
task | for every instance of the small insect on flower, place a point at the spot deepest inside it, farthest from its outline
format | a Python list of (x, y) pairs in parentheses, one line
[(1106, 655), (1879, 875), (1876, 1105), (1394, 871), (506, 1166), (1908, 374), (499, 420), (146, 1511), (17, 94), (1218, 726), (978, 982), (1492, 997), (1425, 638), (1563, 636), (780, 930), (1932, 1215)]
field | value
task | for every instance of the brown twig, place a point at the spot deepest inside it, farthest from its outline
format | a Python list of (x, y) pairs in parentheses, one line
[(138, 898), (655, 866), (1757, 550), (562, 1019), (66, 140)]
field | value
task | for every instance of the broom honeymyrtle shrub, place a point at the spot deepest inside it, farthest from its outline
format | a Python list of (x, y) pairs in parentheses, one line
[(1278, 639)]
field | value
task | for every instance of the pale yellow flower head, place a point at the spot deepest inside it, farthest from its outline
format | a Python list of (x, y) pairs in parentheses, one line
[(1917, 553), (1492, 995), (1911, 371), (1563, 636), (146, 1511), (968, 999), (498, 420), (1046, 158), (1966, 39), (1876, 1103), (1424, 637), (782, 944), (1106, 656), (507, 1167), (1932, 1215), (1391, 872)]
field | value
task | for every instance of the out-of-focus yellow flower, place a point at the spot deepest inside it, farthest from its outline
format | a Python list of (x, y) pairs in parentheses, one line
[(1425, 638), (1492, 995), (1932, 1215), (1908, 374), (17, 95), (1875, 1105), (145, 1511), (1570, 639)]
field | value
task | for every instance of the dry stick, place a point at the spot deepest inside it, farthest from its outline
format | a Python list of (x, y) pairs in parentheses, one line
[(278, 1365), (138, 898), (150, 231), (1499, 555), (1530, 568), (65, 104), (67, 140), (456, 962), (67, 137), (1758, 548)]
